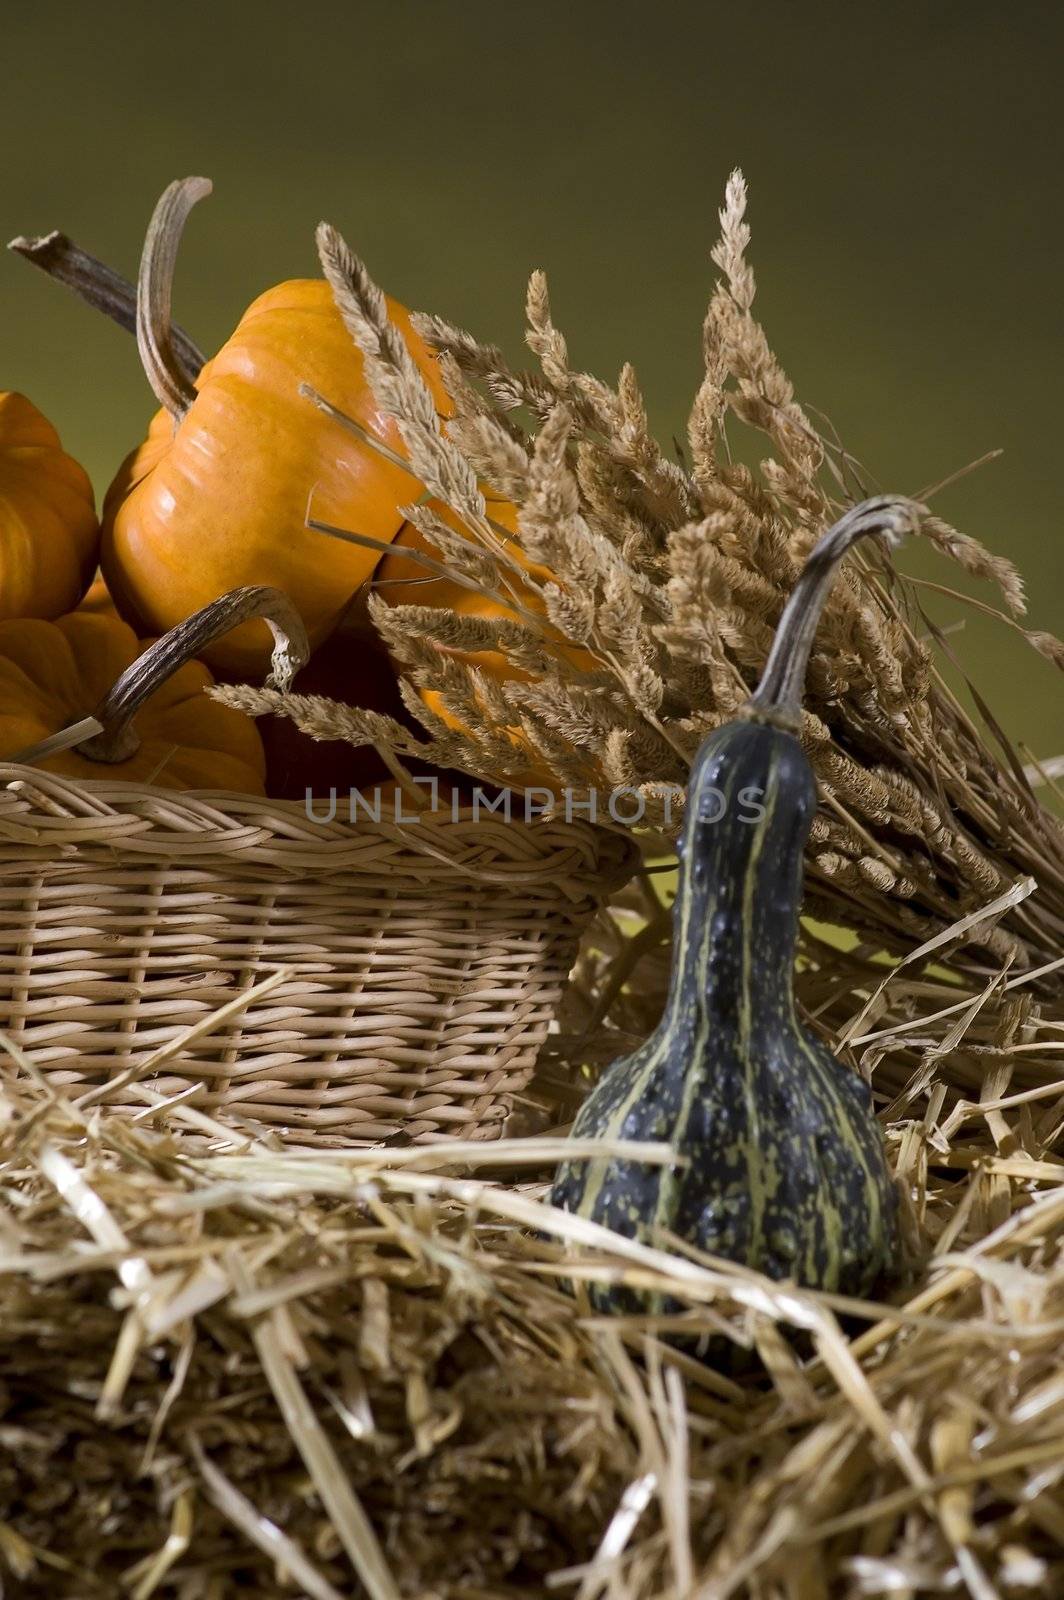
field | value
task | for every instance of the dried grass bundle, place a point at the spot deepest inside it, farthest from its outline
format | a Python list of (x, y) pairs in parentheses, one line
[(672, 575)]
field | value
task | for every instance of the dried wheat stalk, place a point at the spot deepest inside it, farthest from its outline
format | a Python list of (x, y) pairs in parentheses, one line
[(672, 577)]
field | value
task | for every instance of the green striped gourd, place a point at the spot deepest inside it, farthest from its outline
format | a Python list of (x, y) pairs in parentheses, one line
[(783, 1167)]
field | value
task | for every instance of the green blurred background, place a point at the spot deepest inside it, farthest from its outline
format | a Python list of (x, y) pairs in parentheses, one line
[(904, 165)]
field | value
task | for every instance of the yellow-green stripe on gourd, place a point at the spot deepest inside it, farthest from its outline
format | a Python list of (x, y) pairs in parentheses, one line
[(782, 1165)]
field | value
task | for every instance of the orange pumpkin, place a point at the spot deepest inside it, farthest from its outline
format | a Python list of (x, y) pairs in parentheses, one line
[(54, 673), (48, 529), (218, 493)]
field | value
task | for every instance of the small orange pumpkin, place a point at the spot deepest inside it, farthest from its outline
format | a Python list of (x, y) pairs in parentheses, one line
[(217, 495), (48, 529), (90, 664)]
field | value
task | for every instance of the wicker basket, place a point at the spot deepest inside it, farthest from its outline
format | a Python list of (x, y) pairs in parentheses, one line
[(422, 962)]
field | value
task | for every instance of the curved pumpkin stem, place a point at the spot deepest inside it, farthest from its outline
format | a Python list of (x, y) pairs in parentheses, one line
[(155, 284), (778, 696), (101, 288), (291, 649), (108, 735)]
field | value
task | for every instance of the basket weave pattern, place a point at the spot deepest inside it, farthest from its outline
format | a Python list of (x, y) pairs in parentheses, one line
[(423, 963)]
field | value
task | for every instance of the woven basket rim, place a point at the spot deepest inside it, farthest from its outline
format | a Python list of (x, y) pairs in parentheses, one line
[(43, 810)]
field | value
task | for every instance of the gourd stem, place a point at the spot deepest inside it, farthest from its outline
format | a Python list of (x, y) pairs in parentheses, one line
[(155, 283), (102, 288), (778, 696), (118, 740)]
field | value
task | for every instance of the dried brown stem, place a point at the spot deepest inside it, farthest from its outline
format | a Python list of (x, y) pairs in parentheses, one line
[(778, 696), (109, 735), (155, 280), (101, 288)]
